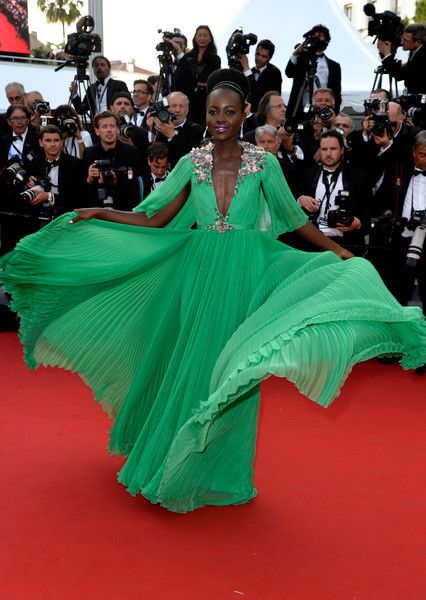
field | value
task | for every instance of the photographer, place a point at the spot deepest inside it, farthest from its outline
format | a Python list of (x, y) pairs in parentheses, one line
[(264, 76), (393, 229), (142, 95), (113, 181), (99, 94), (22, 138), (309, 65), (15, 94), (413, 72), (37, 106), (338, 216), (322, 119), (177, 132), (76, 139), (183, 77), (123, 108)]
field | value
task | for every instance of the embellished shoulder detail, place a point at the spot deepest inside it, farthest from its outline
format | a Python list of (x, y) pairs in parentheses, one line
[(252, 161)]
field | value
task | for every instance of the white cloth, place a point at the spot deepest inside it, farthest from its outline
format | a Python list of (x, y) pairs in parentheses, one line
[(17, 146), (415, 199), (71, 144)]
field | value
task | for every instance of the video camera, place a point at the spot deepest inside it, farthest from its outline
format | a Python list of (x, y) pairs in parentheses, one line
[(343, 214), (385, 26), (414, 105), (166, 57), (375, 105), (84, 42), (238, 44), (313, 44)]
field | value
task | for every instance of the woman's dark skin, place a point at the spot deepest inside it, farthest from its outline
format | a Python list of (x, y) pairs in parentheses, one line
[(225, 113)]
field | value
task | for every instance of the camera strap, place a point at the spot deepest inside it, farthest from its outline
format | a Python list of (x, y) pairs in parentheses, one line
[(330, 185)]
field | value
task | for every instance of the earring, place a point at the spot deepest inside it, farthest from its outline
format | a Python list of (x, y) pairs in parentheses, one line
[(241, 132), (205, 133)]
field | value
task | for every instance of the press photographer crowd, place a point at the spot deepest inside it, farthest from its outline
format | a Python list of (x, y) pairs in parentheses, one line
[(362, 181)]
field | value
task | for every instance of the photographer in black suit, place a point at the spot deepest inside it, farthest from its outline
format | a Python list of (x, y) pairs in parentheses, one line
[(99, 94), (179, 134), (22, 138), (114, 182), (339, 217), (413, 72), (311, 69), (264, 76)]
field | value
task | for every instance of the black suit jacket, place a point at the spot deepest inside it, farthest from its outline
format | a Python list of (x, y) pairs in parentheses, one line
[(297, 72), (188, 137), (30, 145), (413, 72), (269, 80), (126, 194), (89, 101), (355, 182)]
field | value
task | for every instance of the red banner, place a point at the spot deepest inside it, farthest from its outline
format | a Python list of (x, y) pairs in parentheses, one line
[(14, 35)]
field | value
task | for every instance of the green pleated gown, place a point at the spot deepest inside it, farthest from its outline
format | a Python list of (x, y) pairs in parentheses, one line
[(174, 328)]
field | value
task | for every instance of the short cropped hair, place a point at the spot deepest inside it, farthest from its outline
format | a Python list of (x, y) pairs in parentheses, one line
[(50, 129), (267, 45), (333, 133), (105, 114), (157, 150), (266, 129)]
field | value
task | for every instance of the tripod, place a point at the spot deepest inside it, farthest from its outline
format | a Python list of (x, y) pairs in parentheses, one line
[(380, 71), (311, 79), (83, 82)]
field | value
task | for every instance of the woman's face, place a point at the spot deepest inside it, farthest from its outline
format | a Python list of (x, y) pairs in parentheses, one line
[(268, 142), (203, 38), (224, 114)]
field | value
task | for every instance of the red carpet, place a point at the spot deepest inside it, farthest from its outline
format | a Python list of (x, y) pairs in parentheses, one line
[(340, 513), (10, 42)]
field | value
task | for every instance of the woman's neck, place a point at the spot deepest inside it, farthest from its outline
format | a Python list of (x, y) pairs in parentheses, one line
[(227, 148)]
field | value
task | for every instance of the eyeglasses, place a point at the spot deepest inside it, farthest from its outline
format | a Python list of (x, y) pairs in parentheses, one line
[(139, 92), (18, 119), (277, 106)]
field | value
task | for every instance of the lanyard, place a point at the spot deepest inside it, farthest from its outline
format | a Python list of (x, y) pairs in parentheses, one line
[(329, 189), (100, 96)]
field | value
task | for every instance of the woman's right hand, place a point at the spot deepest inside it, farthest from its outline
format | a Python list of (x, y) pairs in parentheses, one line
[(84, 214)]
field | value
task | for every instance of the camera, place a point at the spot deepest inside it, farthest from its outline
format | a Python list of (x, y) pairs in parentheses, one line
[(385, 26), (41, 185), (415, 249), (414, 105), (313, 44), (108, 171), (372, 105), (387, 226), (47, 120), (381, 124), (127, 129), (84, 42), (41, 107), (324, 114), (16, 174), (343, 214), (238, 44), (67, 125), (417, 218), (160, 110)]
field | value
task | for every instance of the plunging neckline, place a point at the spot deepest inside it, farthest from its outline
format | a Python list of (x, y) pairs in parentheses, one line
[(224, 215)]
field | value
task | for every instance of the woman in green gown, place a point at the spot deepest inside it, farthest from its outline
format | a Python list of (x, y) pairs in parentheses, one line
[(174, 328)]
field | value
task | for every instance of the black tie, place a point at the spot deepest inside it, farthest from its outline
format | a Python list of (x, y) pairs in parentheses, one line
[(15, 138), (255, 71), (51, 164), (419, 172), (158, 179), (178, 128)]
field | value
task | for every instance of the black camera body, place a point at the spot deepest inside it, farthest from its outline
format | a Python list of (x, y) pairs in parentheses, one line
[(108, 171), (239, 43), (417, 218), (67, 125), (15, 174), (313, 44), (127, 129), (343, 214), (41, 107), (385, 26), (381, 124), (387, 226), (374, 105), (160, 110), (414, 105), (324, 114)]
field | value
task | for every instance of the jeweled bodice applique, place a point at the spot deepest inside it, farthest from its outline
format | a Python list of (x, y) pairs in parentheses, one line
[(252, 162)]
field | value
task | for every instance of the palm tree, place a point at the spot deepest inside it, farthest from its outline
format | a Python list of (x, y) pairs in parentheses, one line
[(61, 11)]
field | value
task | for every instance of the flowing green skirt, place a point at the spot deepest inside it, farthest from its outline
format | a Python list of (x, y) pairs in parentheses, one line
[(174, 329)]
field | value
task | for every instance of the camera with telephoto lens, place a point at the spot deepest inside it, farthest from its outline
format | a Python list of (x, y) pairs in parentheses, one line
[(15, 174), (381, 124), (160, 110), (41, 185), (313, 44), (343, 214), (385, 26), (415, 249), (387, 226), (41, 107), (290, 126), (414, 106), (239, 43), (84, 42), (127, 129)]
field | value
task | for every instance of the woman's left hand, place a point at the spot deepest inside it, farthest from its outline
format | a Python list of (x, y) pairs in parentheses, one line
[(343, 253)]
